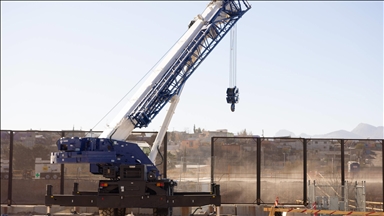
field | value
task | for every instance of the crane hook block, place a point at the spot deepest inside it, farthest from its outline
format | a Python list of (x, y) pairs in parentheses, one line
[(233, 97), (233, 107)]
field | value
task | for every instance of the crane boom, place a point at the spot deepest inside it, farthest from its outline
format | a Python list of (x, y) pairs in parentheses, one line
[(204, 33), (109, 150)]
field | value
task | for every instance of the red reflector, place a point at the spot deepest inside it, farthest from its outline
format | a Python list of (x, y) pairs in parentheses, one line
[(103, 184), (160, 184)]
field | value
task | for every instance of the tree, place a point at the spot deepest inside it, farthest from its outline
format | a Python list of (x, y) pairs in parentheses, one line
[(4, 151), (244, 133), (196, 130), (360, 146), (172, 160)]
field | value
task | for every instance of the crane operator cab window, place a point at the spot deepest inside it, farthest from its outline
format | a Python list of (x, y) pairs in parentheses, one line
[(144, 146)]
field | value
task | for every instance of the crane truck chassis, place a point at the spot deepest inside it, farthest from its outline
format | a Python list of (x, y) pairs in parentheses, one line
[(135, 183), (134, 190), (132, 179)]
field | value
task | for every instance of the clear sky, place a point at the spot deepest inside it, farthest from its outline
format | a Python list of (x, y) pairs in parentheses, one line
[(308, 67)]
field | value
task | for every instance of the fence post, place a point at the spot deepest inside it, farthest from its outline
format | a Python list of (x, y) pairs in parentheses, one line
[(165, 154), (342, 162), (305, 192), (62, 171), (213, 139), (258, 170), (10, 177), (382, 169)]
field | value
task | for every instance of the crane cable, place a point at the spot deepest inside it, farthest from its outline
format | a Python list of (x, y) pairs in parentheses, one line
[(233, 57), (135, 85)]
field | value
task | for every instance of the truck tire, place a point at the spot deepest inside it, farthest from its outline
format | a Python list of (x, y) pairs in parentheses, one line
[(106, 212), (120, 211), (111, 211), (162, 212)]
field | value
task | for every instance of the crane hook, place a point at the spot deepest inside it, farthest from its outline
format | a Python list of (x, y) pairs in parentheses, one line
[(233, 107)]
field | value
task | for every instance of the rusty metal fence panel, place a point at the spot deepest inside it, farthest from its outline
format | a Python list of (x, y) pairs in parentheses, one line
[(282, 168), (5, 144), (31, 170), (189, 163), (235, 169), (31, 156)]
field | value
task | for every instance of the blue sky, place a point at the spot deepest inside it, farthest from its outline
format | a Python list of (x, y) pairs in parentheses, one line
[(308, 67)]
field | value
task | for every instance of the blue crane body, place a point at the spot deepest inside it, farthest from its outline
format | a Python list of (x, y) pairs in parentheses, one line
[(120, 161), (102, 155)]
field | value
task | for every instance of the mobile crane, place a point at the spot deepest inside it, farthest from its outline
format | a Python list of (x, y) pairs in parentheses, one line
[(132, 179)]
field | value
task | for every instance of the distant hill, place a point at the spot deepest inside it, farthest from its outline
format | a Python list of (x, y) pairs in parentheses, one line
[(368, 131), (339, 134), (304, 135), (362, 131), (284, 133)]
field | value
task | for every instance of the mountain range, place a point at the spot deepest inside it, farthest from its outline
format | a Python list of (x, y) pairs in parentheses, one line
[(362, 131)]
